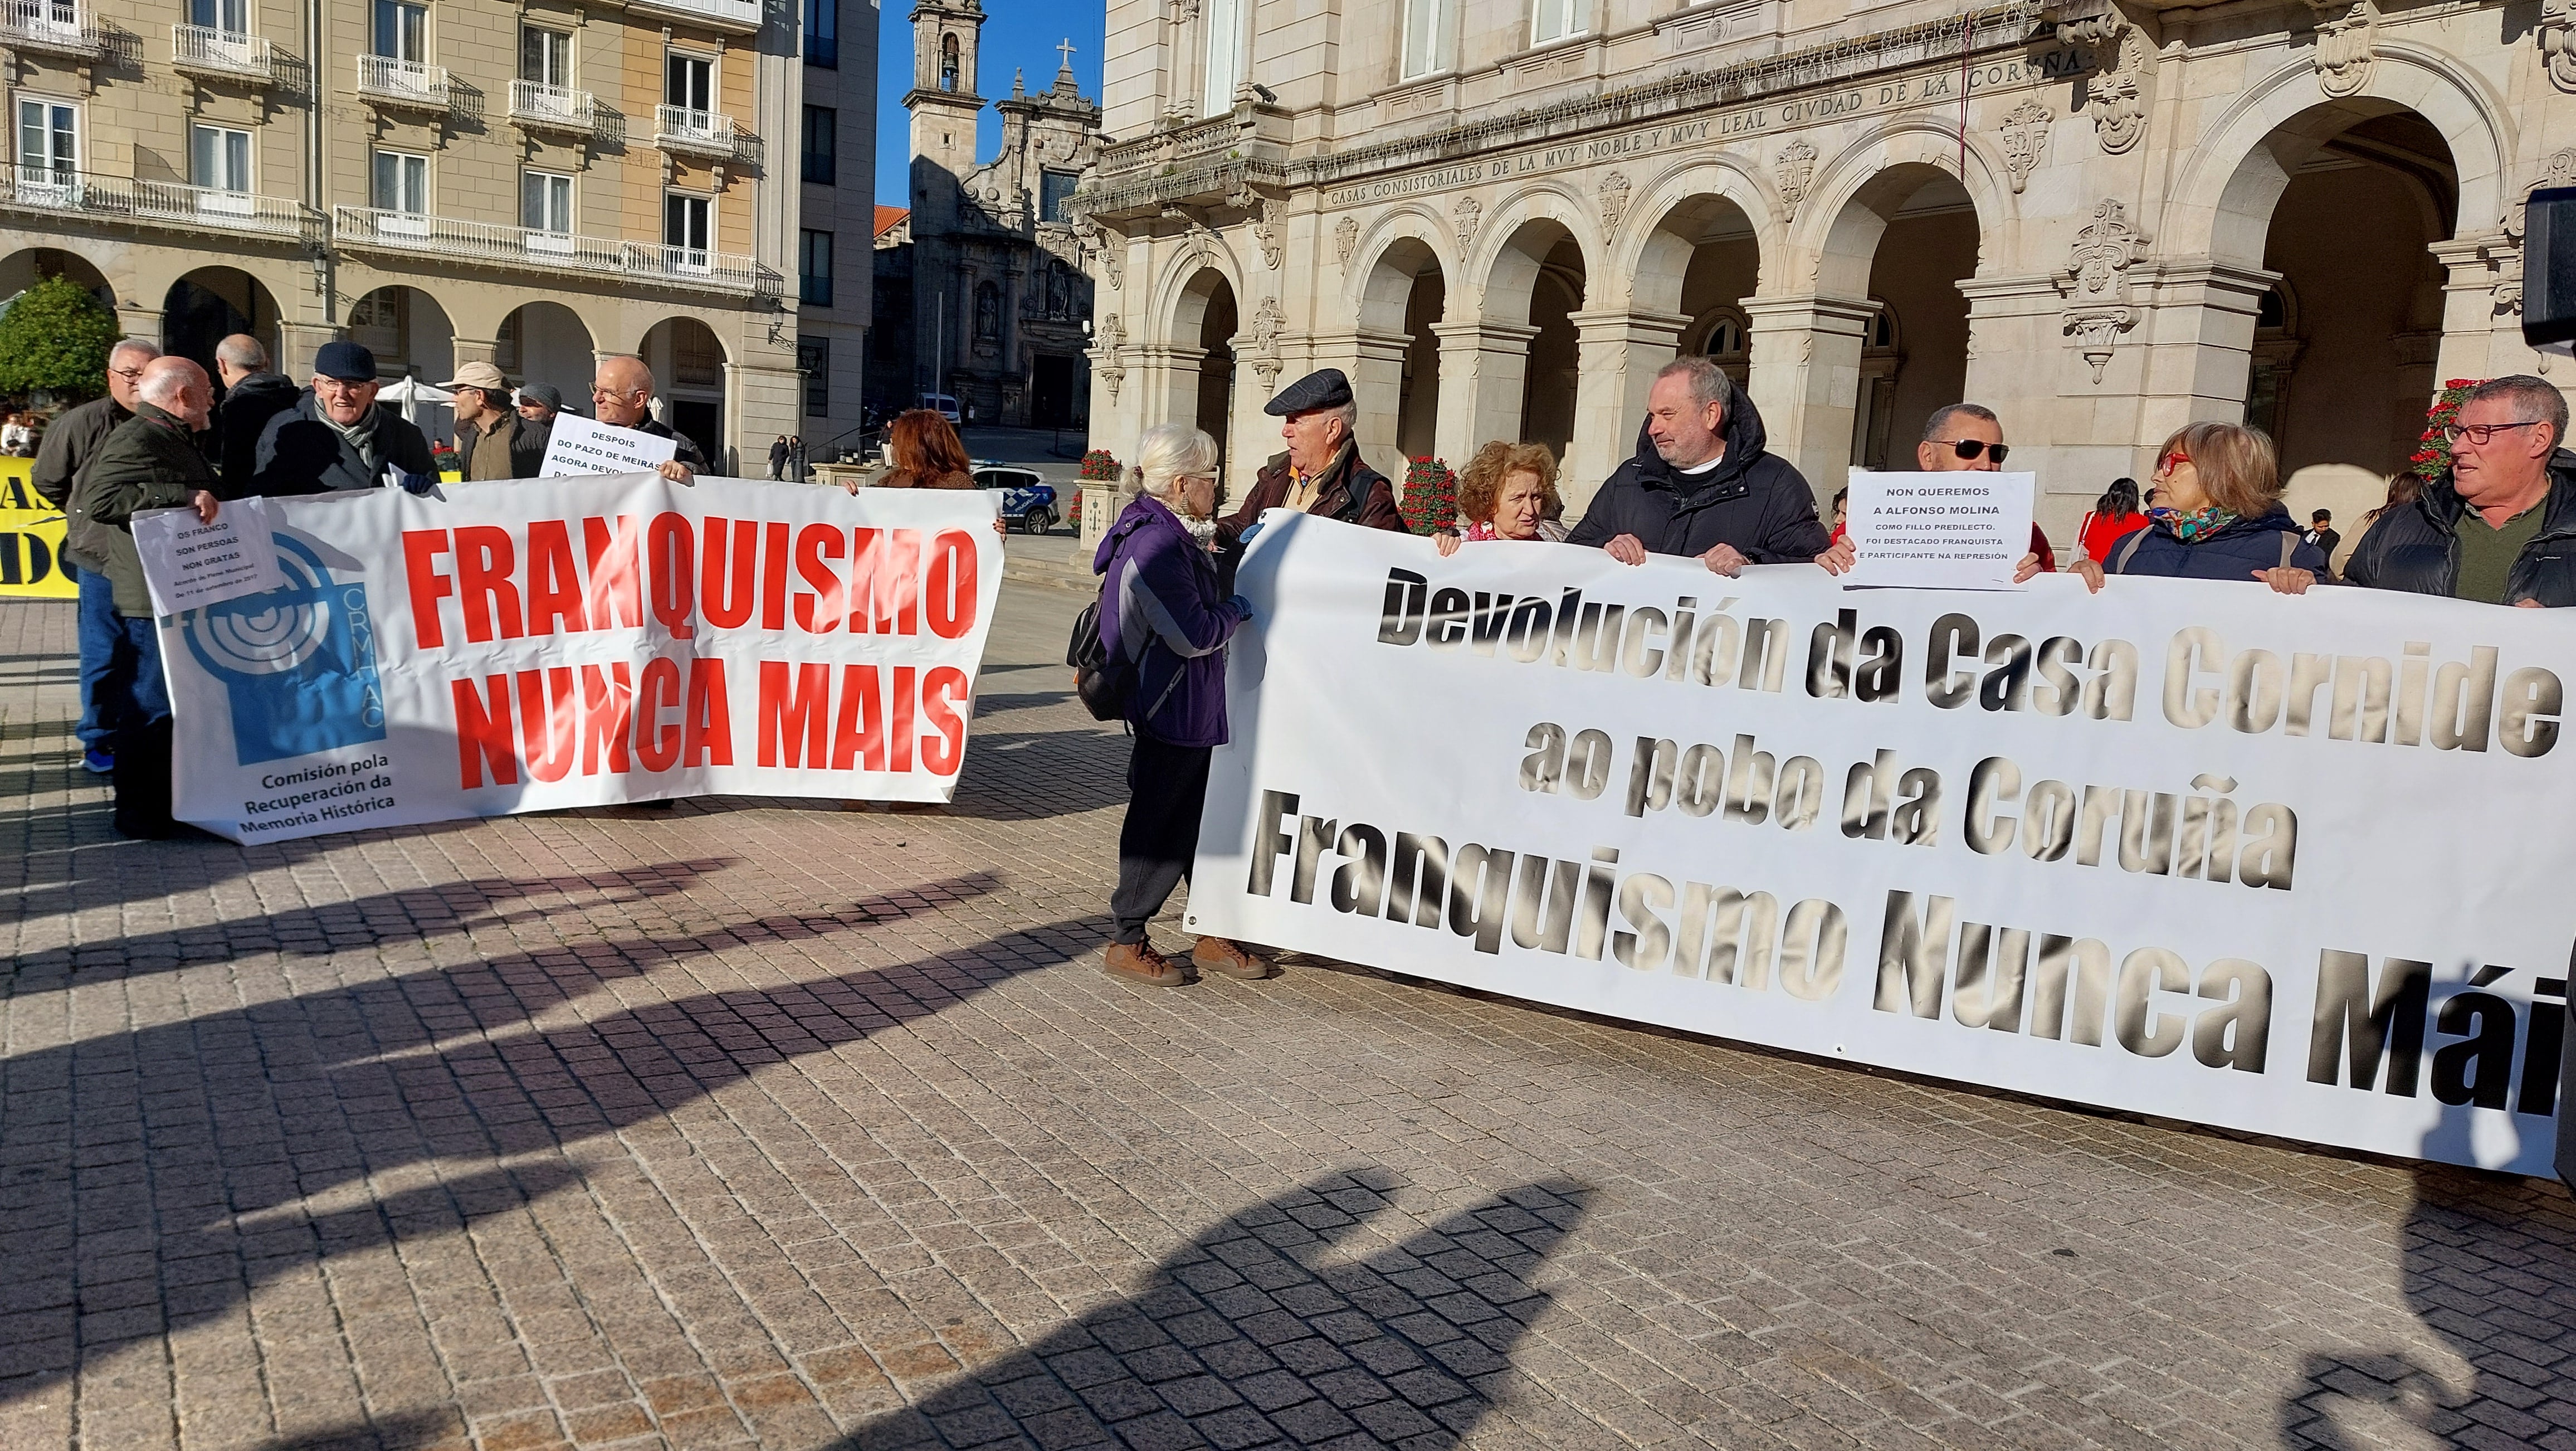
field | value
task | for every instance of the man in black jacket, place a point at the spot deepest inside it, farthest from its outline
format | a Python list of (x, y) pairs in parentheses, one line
[(151, 462), (2500, 525), (337, 436), (252, 396), (69, 446), (1701, 485)]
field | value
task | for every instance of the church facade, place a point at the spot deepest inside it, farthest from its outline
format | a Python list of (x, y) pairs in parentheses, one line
[(986, 271), (2103, 220)]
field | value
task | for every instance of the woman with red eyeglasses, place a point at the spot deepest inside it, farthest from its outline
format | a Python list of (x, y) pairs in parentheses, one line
[(2217, 515)]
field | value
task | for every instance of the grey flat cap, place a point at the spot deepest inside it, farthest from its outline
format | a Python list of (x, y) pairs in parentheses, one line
[(1324, 388)]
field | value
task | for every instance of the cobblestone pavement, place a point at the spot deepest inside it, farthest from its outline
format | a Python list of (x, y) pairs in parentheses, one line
[(762, 1123)]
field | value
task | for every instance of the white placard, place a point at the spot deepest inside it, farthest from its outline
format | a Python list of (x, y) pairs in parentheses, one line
[(187, 564), (1961, 530), (2284, 864), (586, 446)]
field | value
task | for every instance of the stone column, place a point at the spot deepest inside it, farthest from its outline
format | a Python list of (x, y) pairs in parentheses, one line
[(2016, 328), (297, 342), (1805, 379), (1484, 368), (1618, 354), (2193, 347), (1375, 363), (2482, 311), (474, 350), (140, 322)]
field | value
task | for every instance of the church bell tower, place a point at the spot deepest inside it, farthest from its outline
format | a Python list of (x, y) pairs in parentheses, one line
[(943, 101)]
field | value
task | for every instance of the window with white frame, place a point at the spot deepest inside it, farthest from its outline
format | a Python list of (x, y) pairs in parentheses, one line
[(545, 202), (402, 30), (1222, 70), (688, 81), (48, 140), (687, 230), (545, 56), (219, 158), (402, 189), (232, 17), (1555, 20), (1430, 30)]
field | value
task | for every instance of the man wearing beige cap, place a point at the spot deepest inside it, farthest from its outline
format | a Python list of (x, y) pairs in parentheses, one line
[(492, 440)]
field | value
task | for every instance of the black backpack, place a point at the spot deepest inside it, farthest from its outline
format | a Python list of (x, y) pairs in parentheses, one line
[(1104, 684)]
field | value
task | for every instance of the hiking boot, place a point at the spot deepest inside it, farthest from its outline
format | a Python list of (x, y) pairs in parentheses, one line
[(1215, 954), (1139, 962)]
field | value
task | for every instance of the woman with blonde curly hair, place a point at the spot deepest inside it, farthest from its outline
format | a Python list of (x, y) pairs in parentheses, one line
[(1507, 492)]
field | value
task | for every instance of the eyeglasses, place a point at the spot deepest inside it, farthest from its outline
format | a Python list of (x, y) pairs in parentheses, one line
[(613, 393), (128, 374), (2166, 464), (340, 385), (2482, 434), (1970, 448)]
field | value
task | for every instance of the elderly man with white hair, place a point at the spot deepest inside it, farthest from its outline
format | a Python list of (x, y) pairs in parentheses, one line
[(1165, 622), (152, 461), (69, 445)]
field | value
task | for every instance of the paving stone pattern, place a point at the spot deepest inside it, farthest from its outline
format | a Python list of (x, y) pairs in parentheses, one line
[(762, 1123)]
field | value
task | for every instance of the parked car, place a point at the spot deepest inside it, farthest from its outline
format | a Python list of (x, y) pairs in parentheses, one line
[(1023, 497), (943, 404)]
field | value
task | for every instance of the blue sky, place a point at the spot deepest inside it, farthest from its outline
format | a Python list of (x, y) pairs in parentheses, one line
[(1019, 34)]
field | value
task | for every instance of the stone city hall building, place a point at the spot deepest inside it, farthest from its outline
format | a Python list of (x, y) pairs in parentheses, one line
[(526, 183), (2103, 220)]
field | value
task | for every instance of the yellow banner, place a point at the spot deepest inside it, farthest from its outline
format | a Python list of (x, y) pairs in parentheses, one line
[(31, 539)]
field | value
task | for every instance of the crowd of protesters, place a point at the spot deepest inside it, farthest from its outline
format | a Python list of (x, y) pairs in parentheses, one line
[(1702, 484)]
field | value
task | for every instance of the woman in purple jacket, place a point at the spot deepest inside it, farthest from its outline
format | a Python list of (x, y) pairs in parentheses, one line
[(1162, 610)]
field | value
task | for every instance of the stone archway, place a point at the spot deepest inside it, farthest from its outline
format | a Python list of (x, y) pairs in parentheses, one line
[(23, 269), (547, 342), (209, 304), (690, 373), (1204, 322), (1515, 368), (1405, 294)]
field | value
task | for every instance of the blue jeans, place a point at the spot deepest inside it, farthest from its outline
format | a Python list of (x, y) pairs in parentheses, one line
[(98, 634)]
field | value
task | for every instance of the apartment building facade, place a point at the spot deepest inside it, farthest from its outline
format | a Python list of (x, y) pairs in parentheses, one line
[(531, 184), (2103, 218)]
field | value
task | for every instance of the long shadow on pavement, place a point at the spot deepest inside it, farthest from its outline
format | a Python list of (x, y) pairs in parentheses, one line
[(154, 1179), (1243, 1339)]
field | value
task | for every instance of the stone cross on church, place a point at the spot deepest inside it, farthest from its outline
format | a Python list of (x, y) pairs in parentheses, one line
[(1065, 48)]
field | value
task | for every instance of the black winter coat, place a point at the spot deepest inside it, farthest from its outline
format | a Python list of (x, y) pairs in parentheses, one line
[(2415, 547), (301, 453), (247, 407), (2233, 552), (1753, 500), (64, 456), (151, 461)]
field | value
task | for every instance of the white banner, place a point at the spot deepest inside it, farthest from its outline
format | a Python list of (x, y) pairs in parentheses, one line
[(2293, 865), (530, 645)]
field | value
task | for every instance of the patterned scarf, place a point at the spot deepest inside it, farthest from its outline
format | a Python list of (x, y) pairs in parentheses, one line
[(2195, 526)]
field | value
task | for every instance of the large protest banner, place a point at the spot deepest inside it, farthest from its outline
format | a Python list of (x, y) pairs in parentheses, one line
[(2293, 865), (531, 645), (31, 538)]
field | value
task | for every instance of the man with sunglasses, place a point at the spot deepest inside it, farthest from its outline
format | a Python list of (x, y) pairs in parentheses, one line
[(2499, 526), (1968, 438), (62, 460)]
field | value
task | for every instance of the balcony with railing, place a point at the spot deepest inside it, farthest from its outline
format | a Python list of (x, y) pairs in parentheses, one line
[(735, 15), (541, 107), (225, 54), (492, 245), (693, 132), (53, 27), (406, 84), (63, 193)]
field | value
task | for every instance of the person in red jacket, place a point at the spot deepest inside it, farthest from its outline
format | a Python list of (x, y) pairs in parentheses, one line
[(2114, 517)]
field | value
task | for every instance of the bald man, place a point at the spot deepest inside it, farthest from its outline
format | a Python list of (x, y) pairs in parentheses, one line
[(61, 459), (152, 461), (621, 393)]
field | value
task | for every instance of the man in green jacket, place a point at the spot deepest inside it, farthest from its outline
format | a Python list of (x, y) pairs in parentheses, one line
[(151, 461)]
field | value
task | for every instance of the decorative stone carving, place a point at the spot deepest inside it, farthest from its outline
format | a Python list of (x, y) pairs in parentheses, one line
[(1614, 202), (1262, 341), (2097, 305), (1113, 267), (1346, 240), (2557, 35), (2025, 140), (2116, 91), (2347, 44), (1795, 167), (1468, 214), (2560, 171), (1269, 233), (1106, 344)]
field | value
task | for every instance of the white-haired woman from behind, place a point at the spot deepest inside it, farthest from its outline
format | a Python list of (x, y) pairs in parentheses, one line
[(1163, 612)]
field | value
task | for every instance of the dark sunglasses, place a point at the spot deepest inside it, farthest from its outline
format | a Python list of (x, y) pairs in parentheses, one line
[(1970, 448)]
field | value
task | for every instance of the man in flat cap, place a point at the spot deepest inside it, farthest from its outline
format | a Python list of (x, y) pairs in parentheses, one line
[(1321, 472), (337, 436)]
